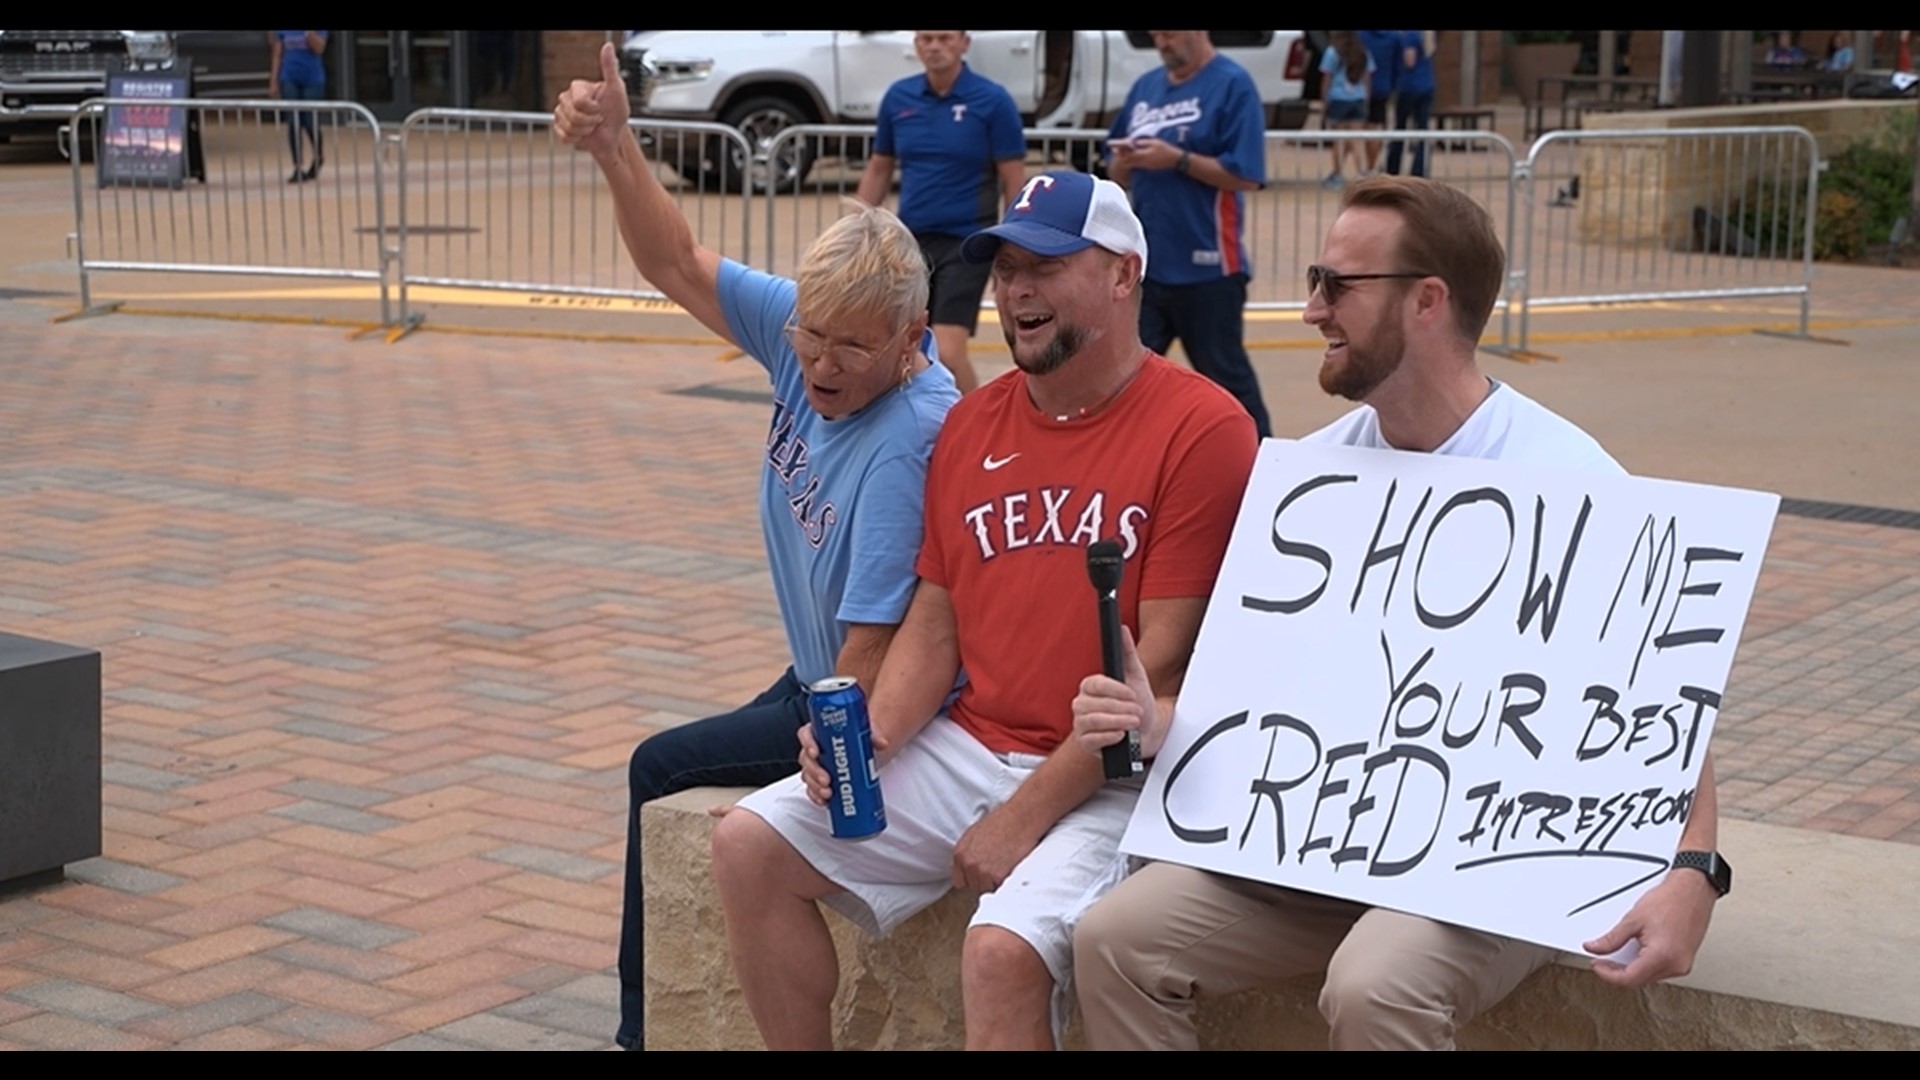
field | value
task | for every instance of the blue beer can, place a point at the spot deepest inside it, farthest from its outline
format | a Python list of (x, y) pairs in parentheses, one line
[(838, 710)]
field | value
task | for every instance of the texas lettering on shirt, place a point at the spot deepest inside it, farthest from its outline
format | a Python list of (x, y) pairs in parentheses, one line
[(787, 457), (1062, 516)]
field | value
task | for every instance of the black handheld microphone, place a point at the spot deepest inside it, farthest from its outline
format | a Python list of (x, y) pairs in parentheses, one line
[(1104, 566)]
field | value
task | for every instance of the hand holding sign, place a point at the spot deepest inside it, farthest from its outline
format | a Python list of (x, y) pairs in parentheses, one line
[(1668, 924), (1106, 709)]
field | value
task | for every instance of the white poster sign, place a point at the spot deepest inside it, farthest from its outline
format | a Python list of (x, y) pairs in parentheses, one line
[(1477, 691)]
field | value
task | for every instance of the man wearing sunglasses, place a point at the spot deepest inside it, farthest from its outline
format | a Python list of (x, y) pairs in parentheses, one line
[(1095, 438), (1406, 281), (857, 403)]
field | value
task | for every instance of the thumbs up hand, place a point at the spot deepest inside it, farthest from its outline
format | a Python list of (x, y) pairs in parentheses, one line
[(590, 115)]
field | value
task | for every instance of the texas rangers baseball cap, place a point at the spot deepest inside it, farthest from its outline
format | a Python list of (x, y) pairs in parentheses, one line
[(1059, 213)]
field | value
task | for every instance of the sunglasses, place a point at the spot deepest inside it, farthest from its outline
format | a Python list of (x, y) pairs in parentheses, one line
[(1333, 285)]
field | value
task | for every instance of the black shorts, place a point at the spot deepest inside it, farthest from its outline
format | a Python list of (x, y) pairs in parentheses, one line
[(1377, 110), (957, 285)]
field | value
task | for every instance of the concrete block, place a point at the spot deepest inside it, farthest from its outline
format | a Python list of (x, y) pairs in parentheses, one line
[(49, 756)]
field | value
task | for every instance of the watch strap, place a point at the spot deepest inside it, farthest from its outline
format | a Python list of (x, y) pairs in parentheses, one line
[(1718, 871)]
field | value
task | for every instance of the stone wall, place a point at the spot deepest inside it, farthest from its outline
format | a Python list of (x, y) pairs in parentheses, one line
[(1778, 972), (1635, 192)]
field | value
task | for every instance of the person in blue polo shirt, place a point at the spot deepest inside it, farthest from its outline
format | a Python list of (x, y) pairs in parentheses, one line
[(1188, 143), (958, 142)]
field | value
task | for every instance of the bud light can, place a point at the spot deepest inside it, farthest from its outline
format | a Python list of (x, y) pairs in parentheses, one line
[(838, 710)]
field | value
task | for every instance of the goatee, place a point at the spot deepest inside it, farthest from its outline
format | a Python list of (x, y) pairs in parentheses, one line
[(1066, 344)]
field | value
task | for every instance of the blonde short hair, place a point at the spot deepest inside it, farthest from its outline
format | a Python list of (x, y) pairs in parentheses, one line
[(865, 264)]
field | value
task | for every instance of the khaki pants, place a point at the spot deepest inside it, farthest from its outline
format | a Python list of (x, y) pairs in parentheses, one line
[(1169, 934)]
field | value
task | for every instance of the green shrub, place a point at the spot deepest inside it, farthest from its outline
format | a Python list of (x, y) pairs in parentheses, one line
[(1839, 227), (1774, 216), (1878, 176), (1863, 191)]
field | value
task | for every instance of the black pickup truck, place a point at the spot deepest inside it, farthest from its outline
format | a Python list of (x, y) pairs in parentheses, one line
[(44, 73)]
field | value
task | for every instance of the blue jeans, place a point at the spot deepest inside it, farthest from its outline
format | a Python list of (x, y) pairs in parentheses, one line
[(1410, 112), (1207, 319), (752, 746), (299, 121)]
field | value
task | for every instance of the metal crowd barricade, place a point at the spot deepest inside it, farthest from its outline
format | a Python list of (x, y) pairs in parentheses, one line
[(245, 217), (491, 200), (818, 165), (821, 164), (1287, 221), (1623, 216)]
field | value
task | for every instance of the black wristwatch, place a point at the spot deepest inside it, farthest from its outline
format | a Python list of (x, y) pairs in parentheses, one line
[(1186, 158), (1719, 872)]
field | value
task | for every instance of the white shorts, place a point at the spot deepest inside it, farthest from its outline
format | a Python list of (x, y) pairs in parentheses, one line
[(939, 785)]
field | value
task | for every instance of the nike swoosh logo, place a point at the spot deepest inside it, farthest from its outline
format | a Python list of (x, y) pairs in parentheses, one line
[(989, 464)]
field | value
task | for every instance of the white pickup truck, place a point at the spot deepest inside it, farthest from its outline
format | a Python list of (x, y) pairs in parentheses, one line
[(764, 81)]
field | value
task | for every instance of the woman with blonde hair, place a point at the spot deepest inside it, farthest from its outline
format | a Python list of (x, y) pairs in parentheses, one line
[(857, 401)]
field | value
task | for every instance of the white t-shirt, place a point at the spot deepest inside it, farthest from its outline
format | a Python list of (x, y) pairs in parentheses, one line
[(1508, 426)]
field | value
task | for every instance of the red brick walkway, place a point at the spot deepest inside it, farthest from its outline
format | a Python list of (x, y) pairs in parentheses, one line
[(380, 627)]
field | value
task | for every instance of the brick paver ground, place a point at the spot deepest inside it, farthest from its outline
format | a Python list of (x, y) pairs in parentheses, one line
[(380, 627)]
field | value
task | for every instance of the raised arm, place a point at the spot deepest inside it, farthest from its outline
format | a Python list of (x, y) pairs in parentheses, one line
[(592, 116)]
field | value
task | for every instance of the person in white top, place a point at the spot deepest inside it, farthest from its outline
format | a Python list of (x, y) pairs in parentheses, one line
[(1405, 284)]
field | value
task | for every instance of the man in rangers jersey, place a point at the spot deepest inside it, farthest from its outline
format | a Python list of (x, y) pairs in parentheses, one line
[(1188, 144)]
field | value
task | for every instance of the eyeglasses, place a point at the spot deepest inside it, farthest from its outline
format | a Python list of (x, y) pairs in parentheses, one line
[(1333, 285), (851, 359)]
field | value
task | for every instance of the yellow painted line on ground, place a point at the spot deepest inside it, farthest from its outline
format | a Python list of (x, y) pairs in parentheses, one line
[(361, 328), (731, 353), (427, 294)]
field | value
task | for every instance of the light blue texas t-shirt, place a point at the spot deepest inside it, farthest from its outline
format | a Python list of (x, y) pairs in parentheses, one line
[(841, 501)]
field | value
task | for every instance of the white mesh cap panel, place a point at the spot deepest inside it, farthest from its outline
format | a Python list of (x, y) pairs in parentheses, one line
[(1112, 224)]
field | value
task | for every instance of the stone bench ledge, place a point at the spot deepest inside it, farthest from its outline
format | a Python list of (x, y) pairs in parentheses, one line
[(1816, 949)]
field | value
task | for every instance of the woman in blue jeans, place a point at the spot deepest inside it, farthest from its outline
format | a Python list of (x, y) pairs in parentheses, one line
[(299, 74), (857, 402)]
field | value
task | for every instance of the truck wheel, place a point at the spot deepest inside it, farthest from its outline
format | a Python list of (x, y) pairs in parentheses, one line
[(760, 120)]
